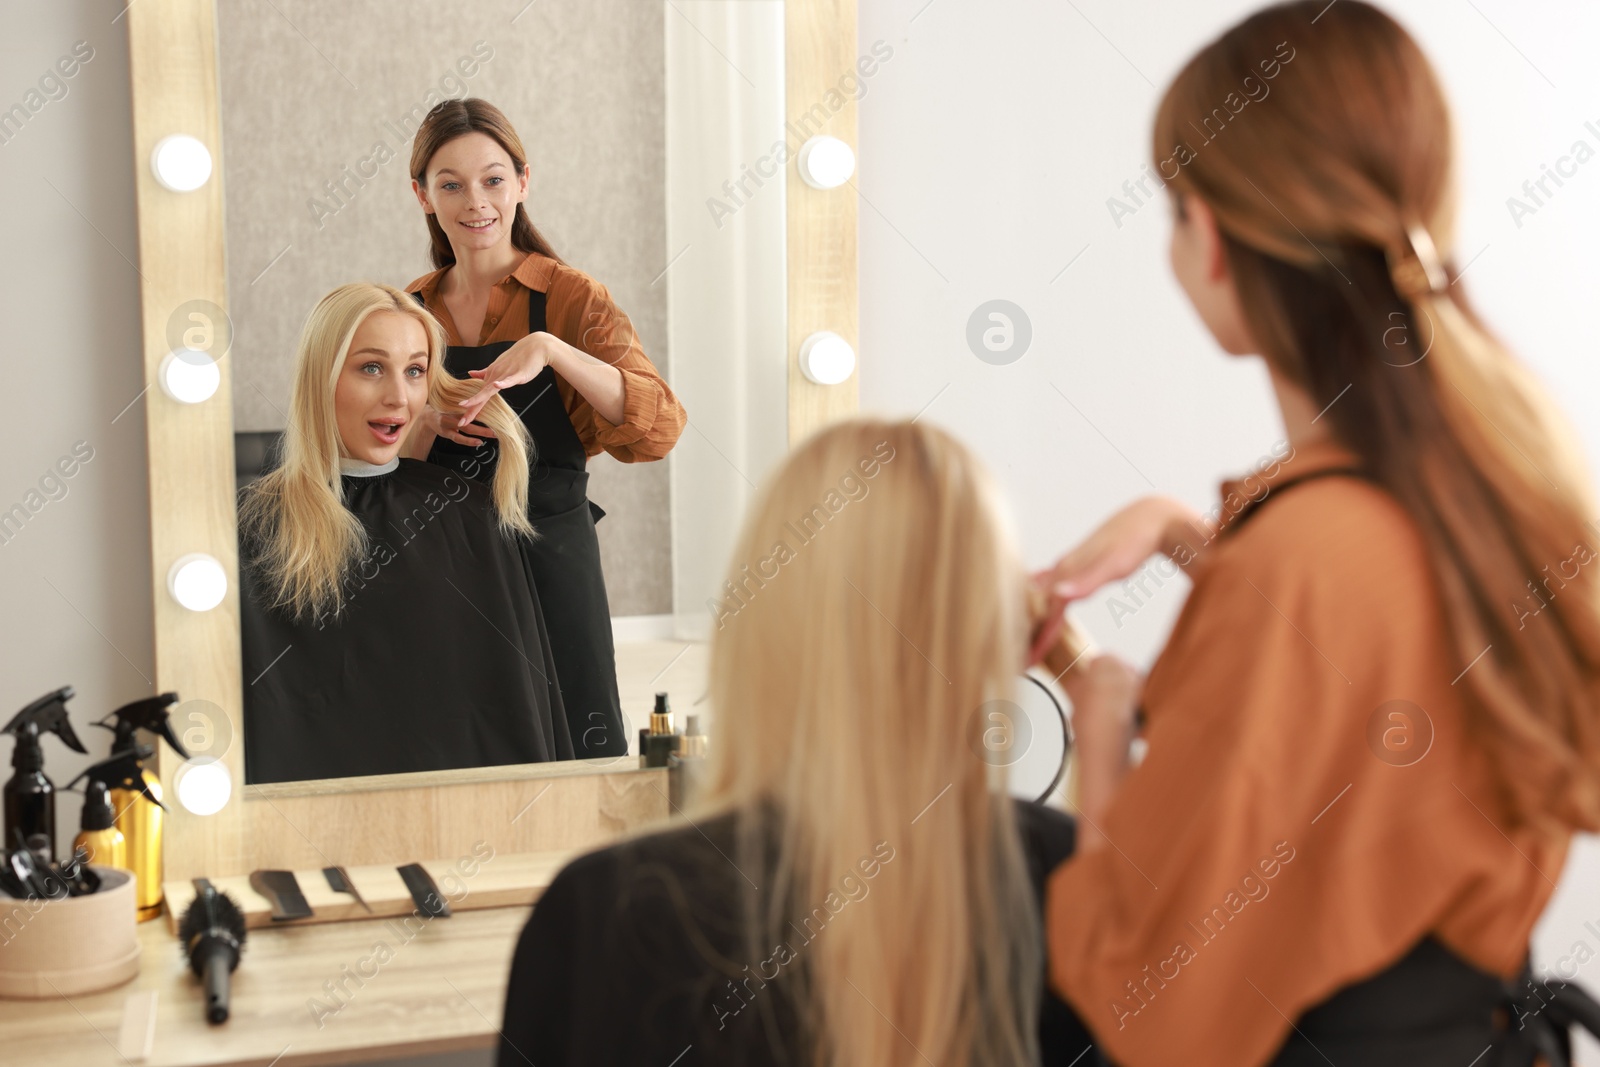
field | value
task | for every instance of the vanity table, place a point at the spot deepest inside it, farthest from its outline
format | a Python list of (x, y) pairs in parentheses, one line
[(443, 990)]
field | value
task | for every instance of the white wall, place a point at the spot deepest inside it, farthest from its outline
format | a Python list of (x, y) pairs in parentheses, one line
[(727, 295), (989, 146), (75, 603)]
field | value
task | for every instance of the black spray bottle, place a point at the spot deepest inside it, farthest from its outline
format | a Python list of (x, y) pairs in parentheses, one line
[(30, 796)]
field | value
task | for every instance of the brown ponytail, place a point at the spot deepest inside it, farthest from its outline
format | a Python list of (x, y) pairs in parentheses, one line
[(1315, 172), (449, 120)]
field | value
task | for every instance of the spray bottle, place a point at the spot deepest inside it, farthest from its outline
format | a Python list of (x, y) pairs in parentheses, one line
[(122, 774), (136, 792), (100, 839), (30, 796)]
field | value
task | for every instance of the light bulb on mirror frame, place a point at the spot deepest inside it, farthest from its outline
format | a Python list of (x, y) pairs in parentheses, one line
[(197, 581), (826, 358), (181, 163), (189, 377), (203, 785), (826, 162)]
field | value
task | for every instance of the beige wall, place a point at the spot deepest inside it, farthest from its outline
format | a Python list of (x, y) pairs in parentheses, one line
[(319, 104)]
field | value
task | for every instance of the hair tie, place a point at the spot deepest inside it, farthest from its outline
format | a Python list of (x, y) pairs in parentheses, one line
[(1417, 270)]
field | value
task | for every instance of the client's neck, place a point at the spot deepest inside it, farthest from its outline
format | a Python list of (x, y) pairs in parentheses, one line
[(349, 465)]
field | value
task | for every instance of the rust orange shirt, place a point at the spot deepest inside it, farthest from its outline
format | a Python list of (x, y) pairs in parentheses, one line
[(580, 311), (1310, 805)]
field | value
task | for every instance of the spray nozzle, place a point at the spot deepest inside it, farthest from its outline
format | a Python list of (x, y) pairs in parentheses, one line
[(98, 812), (123, 770), (48, 714), (148, 714)]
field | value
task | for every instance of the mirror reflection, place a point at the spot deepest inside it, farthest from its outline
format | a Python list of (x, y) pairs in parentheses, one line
[(450, 366), (391, 616)]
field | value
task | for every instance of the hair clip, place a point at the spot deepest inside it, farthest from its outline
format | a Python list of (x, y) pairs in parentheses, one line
[(1419, 270)]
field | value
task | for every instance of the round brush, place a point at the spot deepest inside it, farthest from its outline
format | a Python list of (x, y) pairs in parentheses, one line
[(212, 935)]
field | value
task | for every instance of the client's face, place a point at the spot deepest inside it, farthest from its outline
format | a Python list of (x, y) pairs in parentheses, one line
[(383, 386)]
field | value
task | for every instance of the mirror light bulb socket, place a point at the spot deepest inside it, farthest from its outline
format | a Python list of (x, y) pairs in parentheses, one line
[(204, 785), (197, 581), (826, 358), (826, 162), (181, 163), (189, 377)]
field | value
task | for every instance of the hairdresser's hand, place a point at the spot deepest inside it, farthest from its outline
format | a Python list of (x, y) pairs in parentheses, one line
[(448, 424), (522, 362), (1105, 694), (1118, 548)]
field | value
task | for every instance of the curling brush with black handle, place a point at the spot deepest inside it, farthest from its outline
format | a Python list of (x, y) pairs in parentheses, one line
[(212, 935)]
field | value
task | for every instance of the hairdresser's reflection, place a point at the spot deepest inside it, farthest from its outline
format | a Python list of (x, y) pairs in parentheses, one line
[(1366, 756), (855, 883), (551, 340), (388, 614)]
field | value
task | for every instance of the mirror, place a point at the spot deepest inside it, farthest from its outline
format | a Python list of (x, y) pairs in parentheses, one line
[(454, 645)]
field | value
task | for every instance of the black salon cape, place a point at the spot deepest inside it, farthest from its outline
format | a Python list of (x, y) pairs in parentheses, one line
[(440, 658), (634, 955)]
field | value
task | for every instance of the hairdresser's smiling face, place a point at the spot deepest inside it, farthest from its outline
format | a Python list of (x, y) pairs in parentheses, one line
[(473, 189), (383, 386), (1200, 262)]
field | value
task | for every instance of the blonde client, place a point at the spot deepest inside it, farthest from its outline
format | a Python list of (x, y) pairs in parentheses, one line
[(389, 618), (854, 886)]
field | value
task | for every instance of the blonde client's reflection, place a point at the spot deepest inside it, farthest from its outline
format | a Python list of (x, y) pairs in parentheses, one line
[(855, 886), (388, 616)]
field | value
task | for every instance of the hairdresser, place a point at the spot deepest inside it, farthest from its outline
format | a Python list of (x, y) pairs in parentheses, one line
[(550, 340), (1367, 744)]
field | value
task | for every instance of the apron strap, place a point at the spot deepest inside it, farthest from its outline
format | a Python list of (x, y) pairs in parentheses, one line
[(537, 302), (1255, 505)]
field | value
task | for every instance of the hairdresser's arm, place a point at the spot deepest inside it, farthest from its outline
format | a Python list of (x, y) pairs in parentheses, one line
[(1104, 694), (1119, 547), (595, 380)]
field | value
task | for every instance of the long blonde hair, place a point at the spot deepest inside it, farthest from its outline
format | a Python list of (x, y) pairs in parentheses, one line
[(1317, 187), (306, 538), (870, 616)]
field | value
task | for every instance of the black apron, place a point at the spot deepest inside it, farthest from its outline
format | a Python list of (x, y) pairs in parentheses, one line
[(566, 557)]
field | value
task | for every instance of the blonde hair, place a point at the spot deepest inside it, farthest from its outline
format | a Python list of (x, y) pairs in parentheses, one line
[(1317, 191), (306, 538), (876, 614)]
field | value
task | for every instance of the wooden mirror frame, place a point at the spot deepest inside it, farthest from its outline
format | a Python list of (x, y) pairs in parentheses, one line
[(173, 62)]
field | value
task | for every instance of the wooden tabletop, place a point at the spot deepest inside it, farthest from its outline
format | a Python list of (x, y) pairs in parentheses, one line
[(333, 993)]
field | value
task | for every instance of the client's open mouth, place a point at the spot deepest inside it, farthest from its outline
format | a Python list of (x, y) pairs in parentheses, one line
[(387, 430), (478, 225)]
